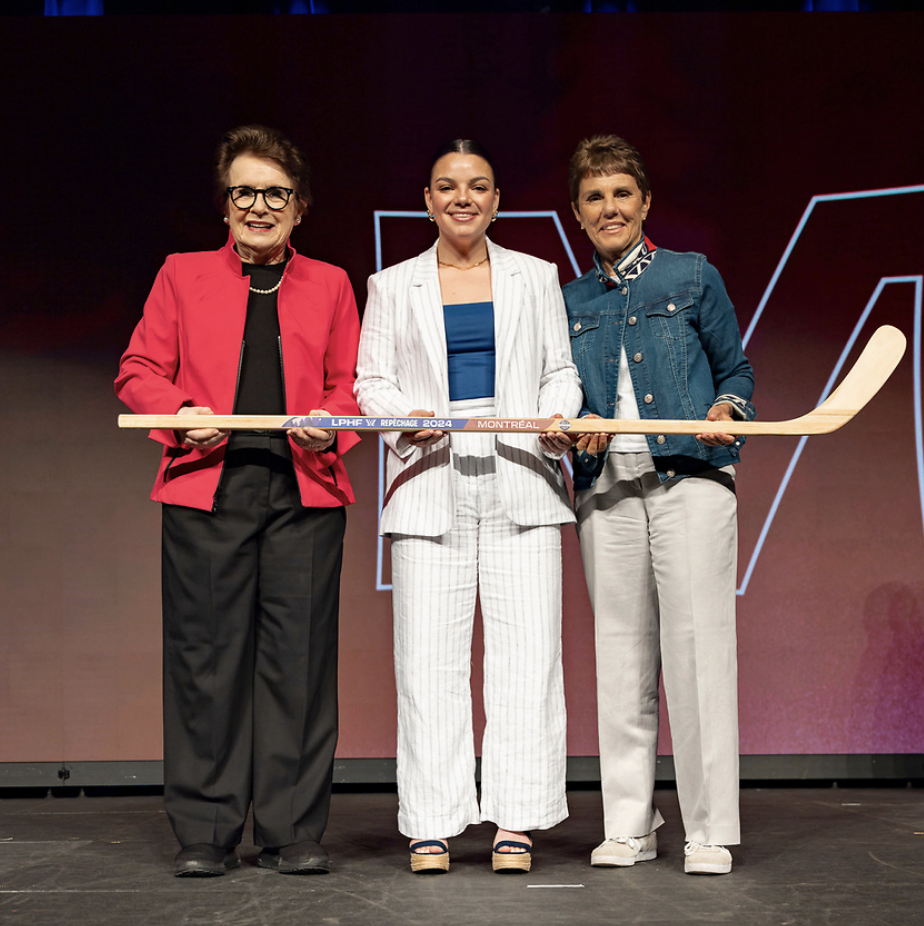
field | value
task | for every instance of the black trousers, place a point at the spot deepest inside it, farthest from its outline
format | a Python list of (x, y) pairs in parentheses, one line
[(250, 601)]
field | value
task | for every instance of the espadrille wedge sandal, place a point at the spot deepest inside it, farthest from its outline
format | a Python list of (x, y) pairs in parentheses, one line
[(429, 862), (511, 861)]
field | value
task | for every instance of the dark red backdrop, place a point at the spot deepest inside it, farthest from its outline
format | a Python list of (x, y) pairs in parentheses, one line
[(109, 128)]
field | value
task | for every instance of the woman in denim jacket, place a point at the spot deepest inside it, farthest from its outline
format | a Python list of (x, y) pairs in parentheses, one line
[(654, 335)]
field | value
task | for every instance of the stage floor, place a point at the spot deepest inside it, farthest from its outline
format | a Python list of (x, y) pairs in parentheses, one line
[(852, 856)]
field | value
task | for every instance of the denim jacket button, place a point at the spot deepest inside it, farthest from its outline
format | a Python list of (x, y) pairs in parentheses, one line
[(624, 290), (632, 319), (649, 399), (671, 307), (662, 439), (577, 326), (671, 473), (637, 358)]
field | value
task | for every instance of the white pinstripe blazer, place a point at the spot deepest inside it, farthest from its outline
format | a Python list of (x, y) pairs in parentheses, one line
[(403, 365)]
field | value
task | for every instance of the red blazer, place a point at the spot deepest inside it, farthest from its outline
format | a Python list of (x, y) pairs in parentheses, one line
[(186, 350)]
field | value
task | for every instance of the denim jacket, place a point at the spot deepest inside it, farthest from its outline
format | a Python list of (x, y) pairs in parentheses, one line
[(684, 350)]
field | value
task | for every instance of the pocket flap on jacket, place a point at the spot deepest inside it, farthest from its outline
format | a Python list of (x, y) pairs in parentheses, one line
[(670, 306), (578, 324)]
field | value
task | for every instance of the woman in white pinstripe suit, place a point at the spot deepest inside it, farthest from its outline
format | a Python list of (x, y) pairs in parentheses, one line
[(471, 329)]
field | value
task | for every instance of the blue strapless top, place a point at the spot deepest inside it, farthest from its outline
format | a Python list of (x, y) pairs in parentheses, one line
[(470, 346)]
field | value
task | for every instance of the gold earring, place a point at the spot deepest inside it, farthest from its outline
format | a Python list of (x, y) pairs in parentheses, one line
[(430, 216), (494, 217)]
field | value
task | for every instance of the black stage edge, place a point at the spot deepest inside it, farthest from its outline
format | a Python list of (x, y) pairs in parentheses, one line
[(850, 856), (581, 770)]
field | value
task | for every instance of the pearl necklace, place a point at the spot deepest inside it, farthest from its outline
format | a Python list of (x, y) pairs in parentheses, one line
[(266, 292), (445, 263)]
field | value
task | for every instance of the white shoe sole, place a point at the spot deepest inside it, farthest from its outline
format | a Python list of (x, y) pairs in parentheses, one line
[(619, 861), (706, 869)]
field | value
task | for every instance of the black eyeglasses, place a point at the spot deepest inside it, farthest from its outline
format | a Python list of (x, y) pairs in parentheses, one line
[(275, 197)]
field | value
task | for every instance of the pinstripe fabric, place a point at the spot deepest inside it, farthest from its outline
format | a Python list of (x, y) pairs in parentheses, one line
[(661, 566), (474, 513), (402, 365), (517, 572)]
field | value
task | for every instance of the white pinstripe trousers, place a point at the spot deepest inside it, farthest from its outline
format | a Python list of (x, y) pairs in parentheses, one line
[(661, 564), (517, 572)]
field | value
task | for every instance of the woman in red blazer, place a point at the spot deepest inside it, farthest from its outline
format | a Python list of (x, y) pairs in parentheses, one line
[(252, 522)]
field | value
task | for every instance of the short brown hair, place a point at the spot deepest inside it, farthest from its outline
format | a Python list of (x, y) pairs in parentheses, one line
[(261, 142), (606, 154)]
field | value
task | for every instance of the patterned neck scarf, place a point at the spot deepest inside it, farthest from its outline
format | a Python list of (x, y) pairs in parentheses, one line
[(631, 266)]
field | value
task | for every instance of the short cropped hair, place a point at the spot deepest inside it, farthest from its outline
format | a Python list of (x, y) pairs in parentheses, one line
[(261, 142), (606, 154)]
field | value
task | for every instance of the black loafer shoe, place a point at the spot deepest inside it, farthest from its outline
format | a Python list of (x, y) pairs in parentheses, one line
[(203, 860), (301, 858)]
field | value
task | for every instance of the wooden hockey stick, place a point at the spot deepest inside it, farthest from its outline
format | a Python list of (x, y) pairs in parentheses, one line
[(864, 379)]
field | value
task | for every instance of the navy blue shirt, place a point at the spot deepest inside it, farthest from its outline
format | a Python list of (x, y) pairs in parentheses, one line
[(470, 347)]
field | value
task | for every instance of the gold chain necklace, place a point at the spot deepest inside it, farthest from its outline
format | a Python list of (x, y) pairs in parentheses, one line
[(445, 263)]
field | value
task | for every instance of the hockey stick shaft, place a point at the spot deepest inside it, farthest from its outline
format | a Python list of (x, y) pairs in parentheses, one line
[(864, 379)]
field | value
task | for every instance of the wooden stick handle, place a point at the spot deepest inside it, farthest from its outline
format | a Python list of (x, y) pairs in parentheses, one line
[(864, 379), (806, 425), (364, 423)]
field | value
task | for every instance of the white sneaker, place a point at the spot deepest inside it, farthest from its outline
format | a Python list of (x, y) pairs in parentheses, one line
[(706, 860), (624, 851)]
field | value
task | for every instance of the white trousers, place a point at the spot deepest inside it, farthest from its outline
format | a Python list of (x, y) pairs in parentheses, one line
[(517, 573), (661, 567)]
